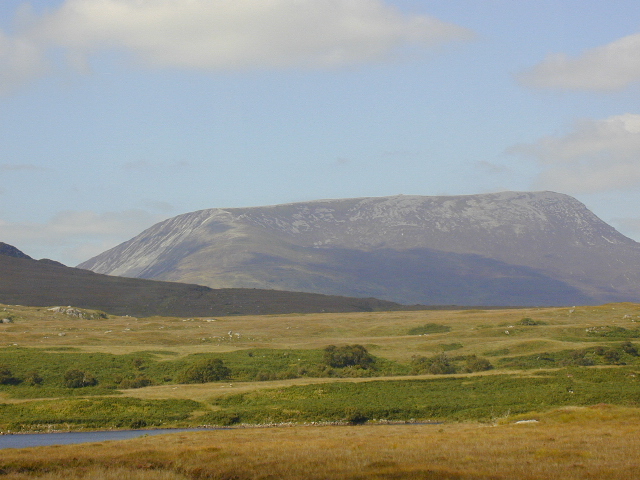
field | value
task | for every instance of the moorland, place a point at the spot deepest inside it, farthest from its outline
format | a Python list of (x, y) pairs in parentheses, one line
[(506, 393)]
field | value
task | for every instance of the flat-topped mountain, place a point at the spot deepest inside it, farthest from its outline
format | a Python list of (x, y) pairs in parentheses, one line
[(510, 248)]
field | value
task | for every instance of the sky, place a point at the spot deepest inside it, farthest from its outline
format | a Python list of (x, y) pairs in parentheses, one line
[(117, 114)]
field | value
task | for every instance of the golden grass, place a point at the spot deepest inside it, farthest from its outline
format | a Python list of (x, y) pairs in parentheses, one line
[(384, 333), (598, 442)]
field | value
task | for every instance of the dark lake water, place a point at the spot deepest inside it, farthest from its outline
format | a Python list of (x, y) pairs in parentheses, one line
[(66, 438)]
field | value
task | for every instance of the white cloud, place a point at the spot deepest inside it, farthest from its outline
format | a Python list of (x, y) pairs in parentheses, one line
[(74, 236), (223, 34), (21, 61), (609, 67), (597, 155)]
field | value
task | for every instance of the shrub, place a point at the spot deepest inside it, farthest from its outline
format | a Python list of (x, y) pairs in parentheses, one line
[(78, 379), (355, 416), (629, 348), (437, 365), (611, 356), (578, 358), (33, 378), (6, 377), (477, 364), (531, 322), (348, 356), (429, 328), (138, 382), (207, 370)]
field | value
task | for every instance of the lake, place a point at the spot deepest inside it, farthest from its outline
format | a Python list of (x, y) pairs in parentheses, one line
[(66, 438)]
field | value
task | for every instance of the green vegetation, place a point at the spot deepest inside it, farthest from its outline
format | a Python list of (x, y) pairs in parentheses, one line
[(429, 328), (77, 379), (613, 332), (34, 373), (502, 360), (474, 398), (204, 371), (530, 322), (348, 356), (94, 413)]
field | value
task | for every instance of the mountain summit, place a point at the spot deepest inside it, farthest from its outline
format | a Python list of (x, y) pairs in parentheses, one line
[(510, 248)]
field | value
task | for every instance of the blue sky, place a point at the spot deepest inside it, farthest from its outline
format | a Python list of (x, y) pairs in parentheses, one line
[(116, 114)]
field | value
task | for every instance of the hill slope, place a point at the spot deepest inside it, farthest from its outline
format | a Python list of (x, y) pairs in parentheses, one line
[(24, 281), (537, 248)]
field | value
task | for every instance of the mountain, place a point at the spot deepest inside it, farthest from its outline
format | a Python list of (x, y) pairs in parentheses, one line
[(11, 251), (39, 283), (509, 248)]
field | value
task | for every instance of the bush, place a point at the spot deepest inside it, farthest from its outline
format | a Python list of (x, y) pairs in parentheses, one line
[(527, 321), (355, 416), (429, 328), (348, 356), (611, 356), (438, 365), (629, 348), (6, 377), (138, 382), (207, 370), (78, 379), (33, 378), (477, 364)]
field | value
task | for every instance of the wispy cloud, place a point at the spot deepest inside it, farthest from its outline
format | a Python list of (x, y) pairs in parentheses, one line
[(21, 61), (608, 67), (222, 34), (74, 236), (595, 156)]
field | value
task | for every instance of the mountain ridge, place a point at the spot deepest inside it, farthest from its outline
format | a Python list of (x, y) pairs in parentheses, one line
[(531, 237)]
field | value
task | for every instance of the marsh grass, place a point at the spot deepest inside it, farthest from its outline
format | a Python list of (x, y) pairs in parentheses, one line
[(576, 443)]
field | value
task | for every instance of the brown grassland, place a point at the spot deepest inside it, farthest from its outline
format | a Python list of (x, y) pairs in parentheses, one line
[(599, 441)]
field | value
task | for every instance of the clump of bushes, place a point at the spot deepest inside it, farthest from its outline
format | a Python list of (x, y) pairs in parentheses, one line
[(33, 378), (437, 365), (6, 376), (78, 379), (442, 364), (206, 370), (477, 364), (348, 356), (612, 332), (137, 382), (528, 321)]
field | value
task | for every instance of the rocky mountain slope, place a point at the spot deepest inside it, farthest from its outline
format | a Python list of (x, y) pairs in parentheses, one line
[(38, 283), (510, 248)]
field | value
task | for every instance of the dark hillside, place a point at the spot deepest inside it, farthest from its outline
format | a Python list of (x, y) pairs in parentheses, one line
[(24, 281)]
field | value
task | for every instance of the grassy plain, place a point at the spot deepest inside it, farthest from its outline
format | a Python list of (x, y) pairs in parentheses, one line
[(600, 442), (574, 370)]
